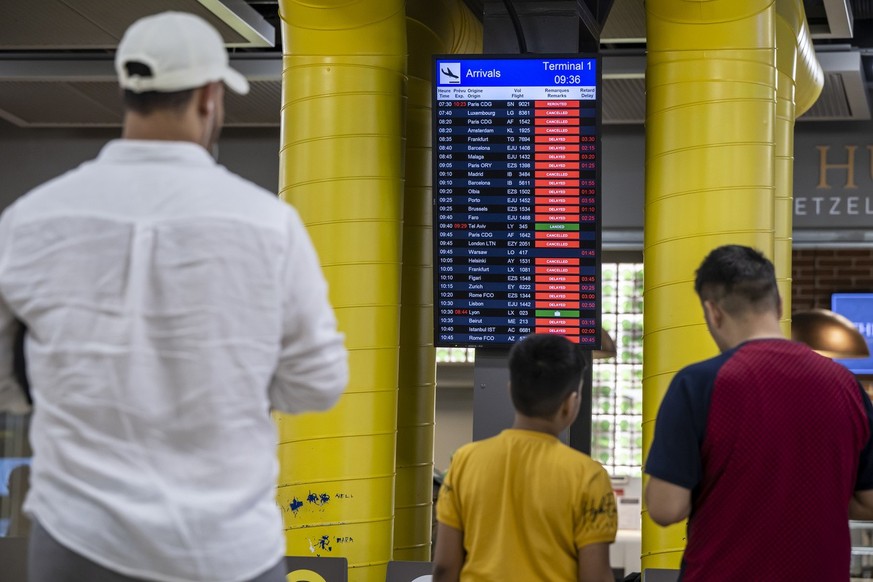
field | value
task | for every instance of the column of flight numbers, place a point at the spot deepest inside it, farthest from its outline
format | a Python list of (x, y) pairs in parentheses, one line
[(519, 253)]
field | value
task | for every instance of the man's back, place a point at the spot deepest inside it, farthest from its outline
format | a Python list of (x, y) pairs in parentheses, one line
[(525, 503), (781, 431), (169, 305)]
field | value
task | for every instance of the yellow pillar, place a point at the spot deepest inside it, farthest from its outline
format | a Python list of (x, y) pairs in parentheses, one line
[(786, 60), (710, 100), (341, 164), (433, 27), (798, 73)]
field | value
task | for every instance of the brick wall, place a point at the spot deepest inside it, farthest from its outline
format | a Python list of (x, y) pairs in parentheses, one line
[(818, 273)]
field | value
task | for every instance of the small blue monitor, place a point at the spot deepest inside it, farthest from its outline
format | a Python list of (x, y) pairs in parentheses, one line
[(857, 308)]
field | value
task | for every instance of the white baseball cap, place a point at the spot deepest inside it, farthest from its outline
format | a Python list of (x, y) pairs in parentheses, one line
[(181, 50)]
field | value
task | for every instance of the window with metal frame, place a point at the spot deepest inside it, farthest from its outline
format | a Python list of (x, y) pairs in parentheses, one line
[(617, 400)]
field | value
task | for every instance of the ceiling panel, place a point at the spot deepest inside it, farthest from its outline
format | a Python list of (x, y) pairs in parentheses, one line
[(624, 100), (52, 104), (41, 24), (260, 107), (833, 102), (626, 23), (100, 24), (98, 104)]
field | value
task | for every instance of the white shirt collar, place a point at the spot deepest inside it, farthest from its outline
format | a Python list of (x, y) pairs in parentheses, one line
[(120, 151)]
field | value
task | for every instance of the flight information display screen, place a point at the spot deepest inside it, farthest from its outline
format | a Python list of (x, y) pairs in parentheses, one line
[(516, 198)]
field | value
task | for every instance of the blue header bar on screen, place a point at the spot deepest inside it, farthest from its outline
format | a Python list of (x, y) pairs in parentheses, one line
[(521, 72)]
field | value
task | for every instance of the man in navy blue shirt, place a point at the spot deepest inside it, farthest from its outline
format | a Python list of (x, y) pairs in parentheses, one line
[(764, 447)]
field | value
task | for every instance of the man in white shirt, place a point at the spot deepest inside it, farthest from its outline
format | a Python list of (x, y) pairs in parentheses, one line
[(169, 306)]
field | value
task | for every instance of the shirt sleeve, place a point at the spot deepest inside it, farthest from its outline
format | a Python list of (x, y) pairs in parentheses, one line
[(679, 430), (12, 395), (599, 520), (313, 364), (448, 504), (864, 480)]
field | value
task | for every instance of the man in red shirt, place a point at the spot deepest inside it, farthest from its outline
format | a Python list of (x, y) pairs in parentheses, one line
[(764, 447)]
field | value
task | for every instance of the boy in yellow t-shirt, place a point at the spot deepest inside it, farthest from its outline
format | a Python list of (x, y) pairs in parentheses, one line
[(522, 506)]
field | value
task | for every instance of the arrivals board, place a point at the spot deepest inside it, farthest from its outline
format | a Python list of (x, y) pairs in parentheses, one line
[(516, 198)]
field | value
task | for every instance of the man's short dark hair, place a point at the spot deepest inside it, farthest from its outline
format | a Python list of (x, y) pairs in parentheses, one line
[(148, 102), (543, 371), (738, 278)]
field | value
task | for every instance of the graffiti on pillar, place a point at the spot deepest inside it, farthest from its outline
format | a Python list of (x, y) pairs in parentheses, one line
[(314, 501)]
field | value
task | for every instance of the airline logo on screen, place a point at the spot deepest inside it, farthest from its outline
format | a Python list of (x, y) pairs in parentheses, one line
[(450, 74)]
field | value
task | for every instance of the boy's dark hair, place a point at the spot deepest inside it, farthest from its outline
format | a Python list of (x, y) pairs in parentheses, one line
[(543, 371), (738, 278), (148, 102)]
